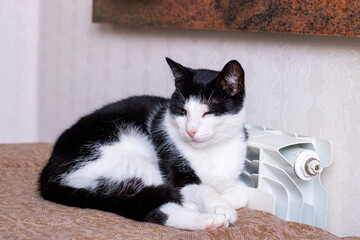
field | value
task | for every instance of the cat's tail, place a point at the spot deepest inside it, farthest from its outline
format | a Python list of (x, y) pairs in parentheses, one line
[(156, 204), (134, 205)]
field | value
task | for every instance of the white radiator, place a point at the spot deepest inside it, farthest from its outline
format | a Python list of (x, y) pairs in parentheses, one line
[(282, 172)]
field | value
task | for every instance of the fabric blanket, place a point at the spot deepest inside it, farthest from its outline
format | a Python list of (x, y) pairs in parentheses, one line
[(25, 215)]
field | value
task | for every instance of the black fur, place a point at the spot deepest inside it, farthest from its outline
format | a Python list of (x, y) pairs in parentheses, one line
[(132, 199)]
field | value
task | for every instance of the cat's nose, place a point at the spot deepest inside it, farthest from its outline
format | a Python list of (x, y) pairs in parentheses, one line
[(191, 132)]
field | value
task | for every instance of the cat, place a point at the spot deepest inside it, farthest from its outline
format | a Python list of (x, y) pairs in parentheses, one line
[(174, 162)]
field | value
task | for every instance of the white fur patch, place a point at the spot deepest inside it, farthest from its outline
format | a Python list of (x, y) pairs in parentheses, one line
[(237, 195), (132, 156), (217, 166)]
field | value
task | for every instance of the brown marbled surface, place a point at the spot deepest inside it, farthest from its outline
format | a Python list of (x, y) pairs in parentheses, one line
[(331, 17)]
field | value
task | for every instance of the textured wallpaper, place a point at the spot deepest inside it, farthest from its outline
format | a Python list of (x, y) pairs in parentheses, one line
[(19, 22), (304, 84)]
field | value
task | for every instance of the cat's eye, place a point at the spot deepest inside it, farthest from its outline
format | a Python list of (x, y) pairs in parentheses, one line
[(207, 113), (182, 111)]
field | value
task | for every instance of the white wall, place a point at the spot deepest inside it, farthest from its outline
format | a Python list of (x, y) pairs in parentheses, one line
[(304, 84), (19, 22)]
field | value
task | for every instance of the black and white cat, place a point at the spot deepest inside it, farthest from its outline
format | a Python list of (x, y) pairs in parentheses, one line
[(174, 162)]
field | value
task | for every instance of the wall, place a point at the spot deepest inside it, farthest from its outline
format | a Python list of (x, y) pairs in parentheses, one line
[(19, 24), (304, 84)]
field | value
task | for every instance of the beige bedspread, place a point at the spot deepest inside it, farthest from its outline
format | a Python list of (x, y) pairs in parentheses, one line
[(25, 215)]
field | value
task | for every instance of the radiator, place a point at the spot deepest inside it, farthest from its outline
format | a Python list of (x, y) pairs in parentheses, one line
[(282, 172)]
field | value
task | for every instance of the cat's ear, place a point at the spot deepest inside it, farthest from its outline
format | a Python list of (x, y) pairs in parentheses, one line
[(180, 72), (231, 78)]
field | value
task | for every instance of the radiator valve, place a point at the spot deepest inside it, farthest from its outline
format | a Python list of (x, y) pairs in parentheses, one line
[(307, 165)]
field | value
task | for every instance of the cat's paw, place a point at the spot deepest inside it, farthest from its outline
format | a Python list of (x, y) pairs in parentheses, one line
[(237, 196), (222, 207), (204, 221), (215, 221), (228, 212)]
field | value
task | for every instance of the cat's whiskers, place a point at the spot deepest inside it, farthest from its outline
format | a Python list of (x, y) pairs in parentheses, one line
[(202, 97), (209, 100), (225, 134), (178, 92)]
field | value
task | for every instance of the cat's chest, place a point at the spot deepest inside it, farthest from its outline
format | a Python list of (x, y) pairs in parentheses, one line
[(217, 166)]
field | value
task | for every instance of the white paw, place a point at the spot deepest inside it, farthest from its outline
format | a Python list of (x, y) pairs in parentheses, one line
[(223, 208), (205, 221), (215, 221), (236, 196), (228, 213)]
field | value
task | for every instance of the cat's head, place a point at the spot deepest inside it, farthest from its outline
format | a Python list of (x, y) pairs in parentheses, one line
[(206, 106)]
